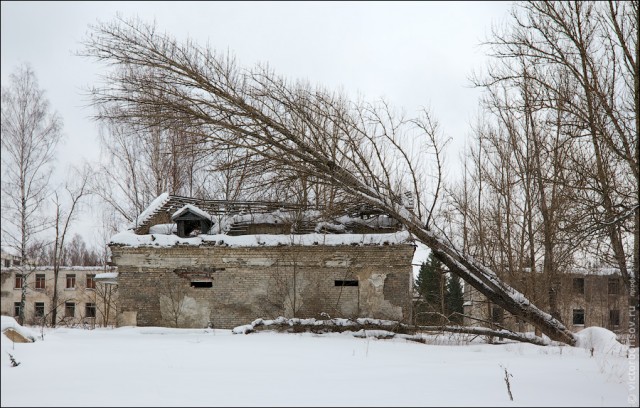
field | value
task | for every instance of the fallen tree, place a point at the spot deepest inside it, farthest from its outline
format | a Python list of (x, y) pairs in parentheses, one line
[(365, 150), (380, 328)]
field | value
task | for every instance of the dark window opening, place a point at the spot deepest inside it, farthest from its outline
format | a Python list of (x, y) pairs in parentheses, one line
[(578, 317), (497, 314), (346, 283), (578, 285), (16, 309), (7, 263), (69, 309), (614, 286), (614, 318), (39, 309), (197, 284), (190, 224), (90, 310), (192, 228)]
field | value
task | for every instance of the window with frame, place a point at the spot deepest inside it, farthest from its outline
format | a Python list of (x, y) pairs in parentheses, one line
[(69, 309), (71, 281), (614, 286), (91, 281), (90, 310), (16, 309), (16, 262), (18, 281), (7, 263), (614, 318), (578, 286), (40, 281), (38, 309), (578, 317)]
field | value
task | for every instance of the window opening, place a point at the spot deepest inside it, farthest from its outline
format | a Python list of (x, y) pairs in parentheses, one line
[(201, 284), (90, 310), (71, 281), (578, 285), (40, 282), (69, 309), (346, 283), (39, 309)]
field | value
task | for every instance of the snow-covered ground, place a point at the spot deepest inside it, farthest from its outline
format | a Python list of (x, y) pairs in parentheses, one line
[(203, 367)]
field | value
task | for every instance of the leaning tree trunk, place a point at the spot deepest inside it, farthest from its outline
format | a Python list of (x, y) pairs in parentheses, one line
[(498, 292), (474, 273), (191, 88)]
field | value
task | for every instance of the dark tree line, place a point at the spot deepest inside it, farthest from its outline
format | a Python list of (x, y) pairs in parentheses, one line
[(74, 253), (441, 299)]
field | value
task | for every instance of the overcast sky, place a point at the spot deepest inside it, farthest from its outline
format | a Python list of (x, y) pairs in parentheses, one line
[(414, 54)]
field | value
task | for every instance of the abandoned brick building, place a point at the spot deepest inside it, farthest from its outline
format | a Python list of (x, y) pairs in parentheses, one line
[(587, 297), (188, 262)]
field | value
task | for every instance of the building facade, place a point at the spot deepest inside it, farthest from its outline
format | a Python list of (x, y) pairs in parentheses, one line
[(81, 299), (199, 263), (587, 297)]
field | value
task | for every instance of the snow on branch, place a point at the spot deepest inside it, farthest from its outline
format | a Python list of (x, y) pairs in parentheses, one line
[(367, 327)]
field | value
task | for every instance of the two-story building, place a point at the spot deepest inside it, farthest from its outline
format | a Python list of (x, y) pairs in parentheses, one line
[(81, 299)]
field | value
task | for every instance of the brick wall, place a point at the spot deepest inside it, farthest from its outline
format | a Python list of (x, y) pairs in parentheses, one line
[(154, 284), (595, 300)]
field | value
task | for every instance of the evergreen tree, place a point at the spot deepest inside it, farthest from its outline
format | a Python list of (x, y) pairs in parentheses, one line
[(429, 285), (454, 299)]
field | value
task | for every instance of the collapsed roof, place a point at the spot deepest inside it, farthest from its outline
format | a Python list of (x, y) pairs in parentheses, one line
[(199, 216)]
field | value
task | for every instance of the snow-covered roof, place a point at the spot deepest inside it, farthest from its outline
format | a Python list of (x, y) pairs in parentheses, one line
[(63, 268), (228, 213), (602, 271), (8, 322), (373, 222), (152, 209), (163, 229), (5, 250), (107, 277), (193, 209), (595, 271), (130, 239), (225, 222)]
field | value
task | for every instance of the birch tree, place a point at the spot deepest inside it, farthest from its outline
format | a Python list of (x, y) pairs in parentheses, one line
[(30, 134)]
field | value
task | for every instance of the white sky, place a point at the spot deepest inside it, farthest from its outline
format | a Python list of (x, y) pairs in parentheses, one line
[(156, 366), (414, 54)]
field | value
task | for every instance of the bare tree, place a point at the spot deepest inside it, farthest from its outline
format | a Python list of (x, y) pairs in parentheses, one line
[(172, 296), (582, 59), (78, 253), (524, 191), (163, 83), (106, 305), (76, 190), (30, 134)]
